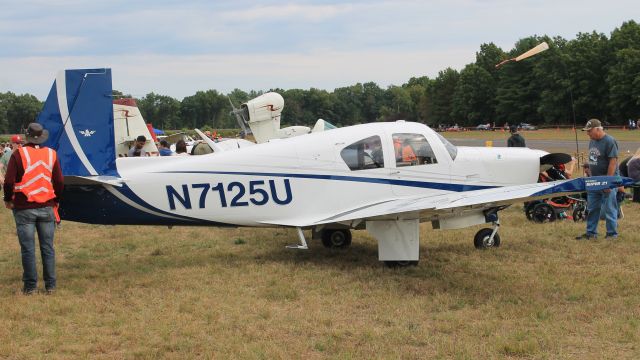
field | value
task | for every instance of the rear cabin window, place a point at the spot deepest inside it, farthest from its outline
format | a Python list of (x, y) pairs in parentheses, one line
[(364, 154), (412, 150)]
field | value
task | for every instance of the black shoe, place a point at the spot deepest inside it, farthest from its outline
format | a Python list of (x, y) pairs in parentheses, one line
[(611, 236), (28, 292), (587, 237)]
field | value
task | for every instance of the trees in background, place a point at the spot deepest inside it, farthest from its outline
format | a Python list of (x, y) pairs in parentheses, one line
[(17, 111), (595, 75)]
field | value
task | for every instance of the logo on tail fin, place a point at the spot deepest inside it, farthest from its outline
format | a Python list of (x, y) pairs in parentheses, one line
[(87, 132)]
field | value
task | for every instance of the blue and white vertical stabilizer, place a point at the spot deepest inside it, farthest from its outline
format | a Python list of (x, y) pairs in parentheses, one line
[(79, 116)]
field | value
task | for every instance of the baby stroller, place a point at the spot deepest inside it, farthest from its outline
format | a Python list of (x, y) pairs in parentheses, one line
[(563, 207)]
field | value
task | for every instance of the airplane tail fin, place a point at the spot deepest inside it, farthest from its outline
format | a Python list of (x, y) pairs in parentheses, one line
[(78, 114)]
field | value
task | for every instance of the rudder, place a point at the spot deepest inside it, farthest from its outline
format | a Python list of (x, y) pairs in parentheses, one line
[(78, 114)]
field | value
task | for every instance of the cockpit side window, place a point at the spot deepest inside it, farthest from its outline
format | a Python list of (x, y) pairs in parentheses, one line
[(412, 149), (364, 154)]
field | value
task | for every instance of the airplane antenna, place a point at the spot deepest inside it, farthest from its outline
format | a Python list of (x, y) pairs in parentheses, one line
[(573, 112)]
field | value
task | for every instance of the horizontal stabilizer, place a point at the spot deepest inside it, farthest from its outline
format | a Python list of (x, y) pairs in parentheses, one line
[(94, 180)]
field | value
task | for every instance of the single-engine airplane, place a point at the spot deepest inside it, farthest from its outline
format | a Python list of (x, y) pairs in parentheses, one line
[(386, 178)]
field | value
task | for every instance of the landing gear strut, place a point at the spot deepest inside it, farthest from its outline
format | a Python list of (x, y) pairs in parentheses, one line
[(487, 237), (336, 238)]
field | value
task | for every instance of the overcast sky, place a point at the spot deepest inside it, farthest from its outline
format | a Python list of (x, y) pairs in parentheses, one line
[(179, 47)]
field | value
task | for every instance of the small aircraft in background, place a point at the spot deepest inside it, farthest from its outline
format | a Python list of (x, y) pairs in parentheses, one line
[(128, 124), (386, 178)]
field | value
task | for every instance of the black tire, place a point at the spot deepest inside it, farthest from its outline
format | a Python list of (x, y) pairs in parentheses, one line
[(543, 213), (336, 238), (528, 209), (481, 240), (580, 213), (400, 264)]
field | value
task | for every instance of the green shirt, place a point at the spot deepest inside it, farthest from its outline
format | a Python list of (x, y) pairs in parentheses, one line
[(4, 160), (516, 140)]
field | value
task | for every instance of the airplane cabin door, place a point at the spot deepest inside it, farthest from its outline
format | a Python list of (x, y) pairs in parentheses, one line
[(367, 166), (421, 165)]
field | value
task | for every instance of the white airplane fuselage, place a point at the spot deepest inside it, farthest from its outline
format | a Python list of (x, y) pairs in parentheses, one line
[(382, 177), (294, 180)]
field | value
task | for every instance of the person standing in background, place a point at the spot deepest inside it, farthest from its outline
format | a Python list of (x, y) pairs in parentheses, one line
[(516, 140), (603, 160)]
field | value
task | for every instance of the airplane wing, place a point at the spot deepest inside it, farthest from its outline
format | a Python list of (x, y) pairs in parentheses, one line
[(449, 203)]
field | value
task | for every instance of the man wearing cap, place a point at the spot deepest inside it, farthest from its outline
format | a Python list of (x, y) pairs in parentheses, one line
[(603, 160), (515, 140), (32, 188), (16, 142)]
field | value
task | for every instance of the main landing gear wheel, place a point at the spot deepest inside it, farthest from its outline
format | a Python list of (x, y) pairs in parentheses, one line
[(483, 240), (336, 238), (400, 264)]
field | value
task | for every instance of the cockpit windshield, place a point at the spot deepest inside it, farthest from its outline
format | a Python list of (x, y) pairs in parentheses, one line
[(452, 149)]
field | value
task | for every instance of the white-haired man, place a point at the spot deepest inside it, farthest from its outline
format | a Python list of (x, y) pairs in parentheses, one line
[(603, 160)]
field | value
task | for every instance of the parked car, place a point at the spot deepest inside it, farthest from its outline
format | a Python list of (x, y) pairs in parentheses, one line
[(484, 127), (525, 126)]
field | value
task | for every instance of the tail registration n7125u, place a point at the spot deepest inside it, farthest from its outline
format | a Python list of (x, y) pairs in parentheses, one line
[(386, 178), (258, 194)]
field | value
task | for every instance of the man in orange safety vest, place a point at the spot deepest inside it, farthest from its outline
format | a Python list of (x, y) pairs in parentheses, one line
[(32, 188)]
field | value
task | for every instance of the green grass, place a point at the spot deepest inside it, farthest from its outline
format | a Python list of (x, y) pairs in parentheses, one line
[(132, 292), (544, 134), (152, 292)]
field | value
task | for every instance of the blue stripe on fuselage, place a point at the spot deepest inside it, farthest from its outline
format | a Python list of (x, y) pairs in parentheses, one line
[(96, 205), (396, 182)]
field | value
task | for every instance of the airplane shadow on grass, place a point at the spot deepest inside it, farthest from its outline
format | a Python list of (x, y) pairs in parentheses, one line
[(445, 268)]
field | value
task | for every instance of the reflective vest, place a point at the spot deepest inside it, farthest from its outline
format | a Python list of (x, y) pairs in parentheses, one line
[(408, 154), (36, 181)]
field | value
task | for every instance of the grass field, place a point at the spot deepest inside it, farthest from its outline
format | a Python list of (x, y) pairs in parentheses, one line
[(152, 292), (132, 292), (543, 134)]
